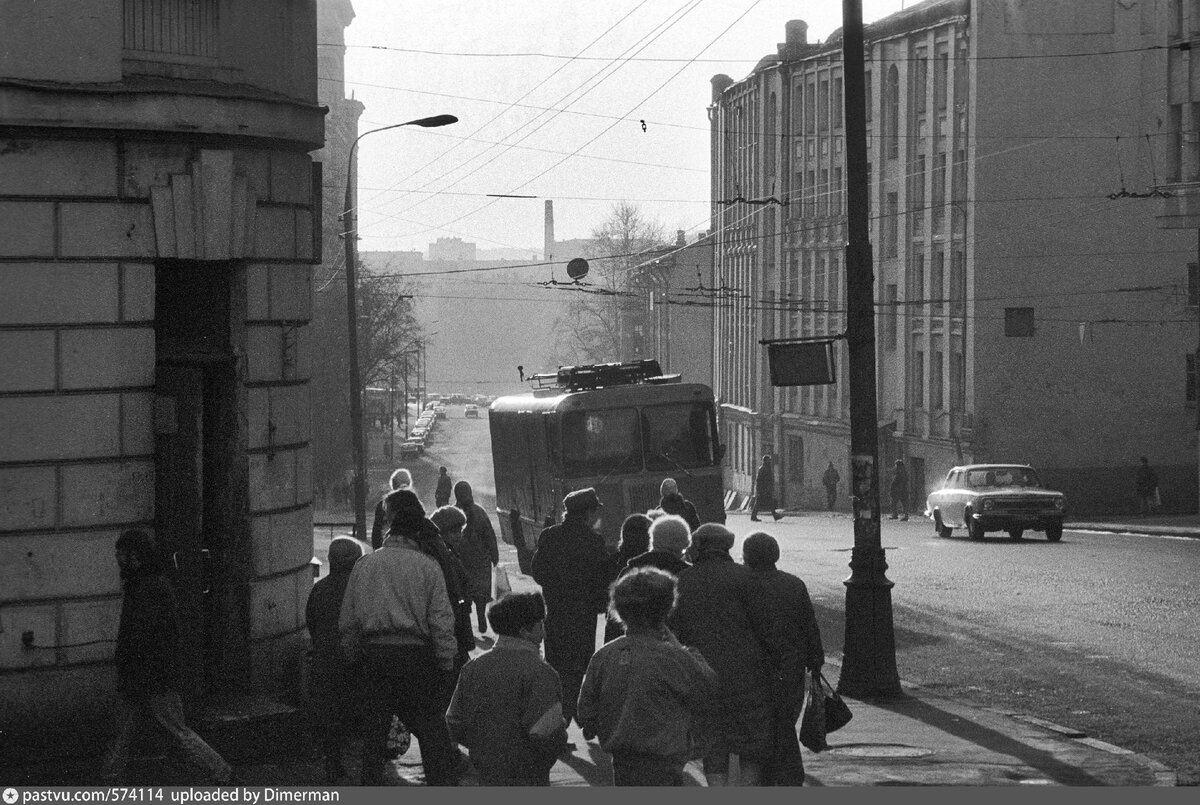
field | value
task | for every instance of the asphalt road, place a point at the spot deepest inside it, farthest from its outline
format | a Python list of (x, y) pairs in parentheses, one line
[(1098, 632)]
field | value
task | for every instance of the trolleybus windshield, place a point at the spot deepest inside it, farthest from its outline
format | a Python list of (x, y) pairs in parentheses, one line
[(620, 440)]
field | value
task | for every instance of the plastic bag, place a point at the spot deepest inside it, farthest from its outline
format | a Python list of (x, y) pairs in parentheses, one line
[(812, 723), (500, 582)]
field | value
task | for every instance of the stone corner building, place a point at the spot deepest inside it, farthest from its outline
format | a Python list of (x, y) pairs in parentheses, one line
[(159, 216)]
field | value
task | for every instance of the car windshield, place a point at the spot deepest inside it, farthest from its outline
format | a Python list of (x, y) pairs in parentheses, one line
[(601, 441), (1002, 476)]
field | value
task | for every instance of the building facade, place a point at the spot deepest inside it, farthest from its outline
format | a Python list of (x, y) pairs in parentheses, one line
[(1031, 304), (159, 215)]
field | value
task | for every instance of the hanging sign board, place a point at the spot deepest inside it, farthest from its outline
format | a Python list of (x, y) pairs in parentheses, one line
[(804, 363)]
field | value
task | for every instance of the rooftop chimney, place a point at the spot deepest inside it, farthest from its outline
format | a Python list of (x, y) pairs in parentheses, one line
[(797, 32), (680, 237)]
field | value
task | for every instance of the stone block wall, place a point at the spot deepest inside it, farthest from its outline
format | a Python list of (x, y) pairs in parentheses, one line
[(81, 225)]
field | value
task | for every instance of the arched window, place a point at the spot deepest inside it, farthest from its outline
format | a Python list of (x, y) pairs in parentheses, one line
[(891, 112)]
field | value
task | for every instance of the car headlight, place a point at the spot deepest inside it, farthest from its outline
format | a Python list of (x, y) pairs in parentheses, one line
[(1060, 503), (987, 505)]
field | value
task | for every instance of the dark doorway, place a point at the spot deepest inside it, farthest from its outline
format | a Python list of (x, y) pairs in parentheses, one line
[(793, 473), (916, 484), (198, 505)]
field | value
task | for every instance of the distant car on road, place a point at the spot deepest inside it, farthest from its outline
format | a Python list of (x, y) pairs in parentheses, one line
[(439, 412), (471, 411), (420, 432), (412, 447), (996, 497)]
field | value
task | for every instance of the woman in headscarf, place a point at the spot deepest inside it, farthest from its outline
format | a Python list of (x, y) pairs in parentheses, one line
[(477, 549)]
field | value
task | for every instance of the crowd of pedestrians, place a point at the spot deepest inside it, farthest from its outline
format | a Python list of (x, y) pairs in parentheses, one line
[(703, 657)]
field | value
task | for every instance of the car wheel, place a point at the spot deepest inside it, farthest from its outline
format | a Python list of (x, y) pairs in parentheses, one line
[(974, 527), (941, 530), (1054, 532), (1016, 533)]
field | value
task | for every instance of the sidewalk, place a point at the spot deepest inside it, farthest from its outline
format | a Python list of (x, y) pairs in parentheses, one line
[(1169, 525)]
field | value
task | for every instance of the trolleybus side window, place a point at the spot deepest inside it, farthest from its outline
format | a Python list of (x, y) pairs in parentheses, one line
[(678, 435), (599, 441)]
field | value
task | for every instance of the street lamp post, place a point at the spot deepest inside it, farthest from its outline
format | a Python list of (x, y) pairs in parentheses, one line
[(356, 411), (869, 648)]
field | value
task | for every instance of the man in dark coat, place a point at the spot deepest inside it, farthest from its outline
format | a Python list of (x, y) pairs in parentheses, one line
[(400, 479), (796, 639), (477, 549), (334, 687), (572, 568), (1145, 484), (147, 660), (764, 490), (830, 480), (672, 501), (899, 490), (441, 494), (722, 613)]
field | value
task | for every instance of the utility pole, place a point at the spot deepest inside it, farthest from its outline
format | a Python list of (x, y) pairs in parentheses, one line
[(869, 649), (392, 415)]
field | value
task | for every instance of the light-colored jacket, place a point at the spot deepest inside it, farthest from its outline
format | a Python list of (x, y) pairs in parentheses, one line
[(397, 595)]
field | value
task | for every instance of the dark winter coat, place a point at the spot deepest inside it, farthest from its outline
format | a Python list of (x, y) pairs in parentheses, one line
[(723, 614), (1146, 480), (457, 587), (335, 687), (379, 526), (148, 636), (572, 568), (899, 486), (679, 505), (663, 560), (441, 494), (478, 550), (764, 487), (795, 636)]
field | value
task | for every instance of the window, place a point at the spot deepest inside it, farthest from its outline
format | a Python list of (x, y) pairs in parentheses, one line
[(182, 30), (823, 106), (1189, 388), (678, 436), (935, 382), (917, 281), (891, 112), (958, 381), (810, 193), (891, 225), (810, 108), (937, 281), (838, 195), (920, 76), (890, 316), (940, 70), (838, 103), (597, 441), (1018, 322), (868, 93), (916, 196), (918, 379), (939, 191), (1193, 284), (825, 193), (958, 283)]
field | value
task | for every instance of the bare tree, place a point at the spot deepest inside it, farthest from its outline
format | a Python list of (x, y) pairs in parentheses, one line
[(593, 329)]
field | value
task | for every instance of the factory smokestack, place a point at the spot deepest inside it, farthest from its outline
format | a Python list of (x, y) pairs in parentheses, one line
[(548, 246)]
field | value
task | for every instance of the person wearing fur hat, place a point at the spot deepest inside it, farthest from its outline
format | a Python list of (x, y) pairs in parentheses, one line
[(147, 659), (397, 617), (334, 687), (723, 614), (672, 501), (798, 643), (571, 565), (477, 548), (669, 537)]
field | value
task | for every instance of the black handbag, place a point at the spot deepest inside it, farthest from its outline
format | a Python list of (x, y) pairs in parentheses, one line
[(826, 712)]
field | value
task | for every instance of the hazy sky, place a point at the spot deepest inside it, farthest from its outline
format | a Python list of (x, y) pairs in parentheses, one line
[(554, 128)]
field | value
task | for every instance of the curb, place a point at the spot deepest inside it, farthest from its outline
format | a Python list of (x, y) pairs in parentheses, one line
[(1135, 530), (1164, 776)]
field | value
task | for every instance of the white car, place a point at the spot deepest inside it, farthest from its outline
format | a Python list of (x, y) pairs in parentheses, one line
[(471, 411)]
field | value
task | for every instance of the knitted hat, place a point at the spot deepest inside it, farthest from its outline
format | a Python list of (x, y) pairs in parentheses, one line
[(711, 537), (668, 487), (670, 532), (760, 550), (581, 500), (404, 511), (343, 553)]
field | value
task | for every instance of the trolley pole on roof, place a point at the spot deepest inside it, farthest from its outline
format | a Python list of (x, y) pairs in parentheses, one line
[(869, 660)]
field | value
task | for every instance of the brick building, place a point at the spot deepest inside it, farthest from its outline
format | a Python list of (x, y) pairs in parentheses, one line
[(1023, 314), (158, 221)]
